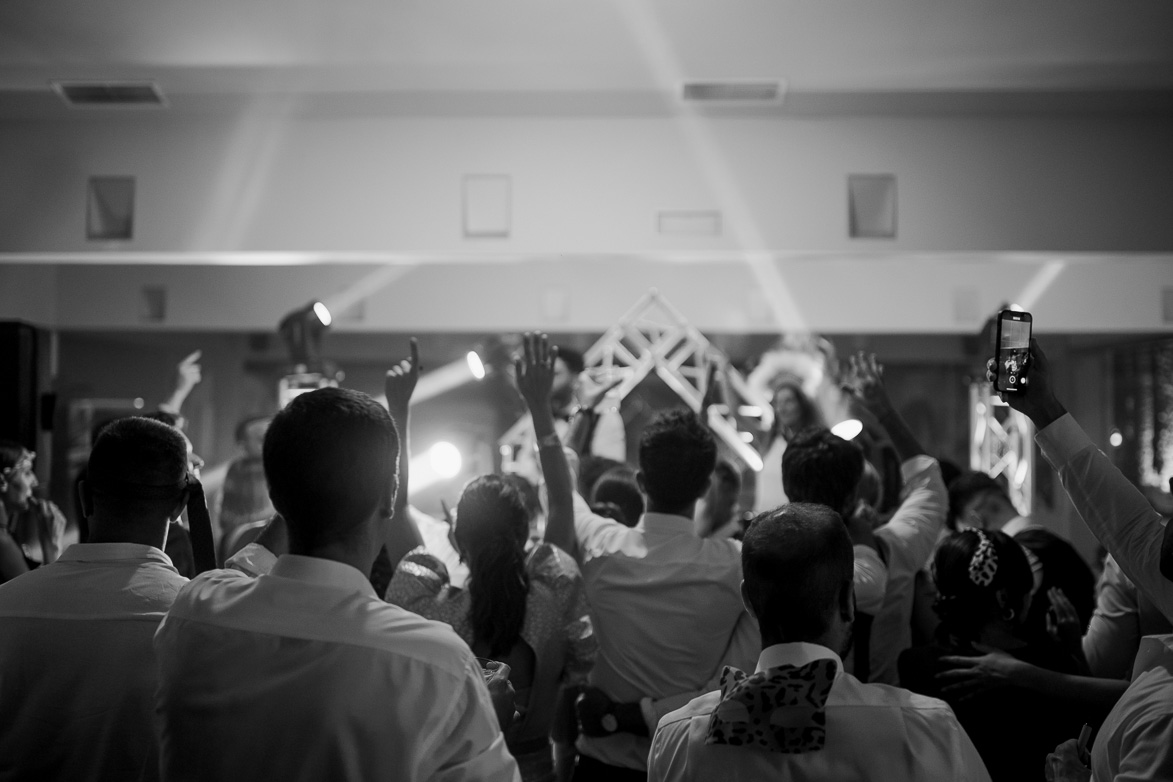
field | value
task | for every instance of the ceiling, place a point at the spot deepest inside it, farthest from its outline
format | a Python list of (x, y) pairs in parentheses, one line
[(591, 56)]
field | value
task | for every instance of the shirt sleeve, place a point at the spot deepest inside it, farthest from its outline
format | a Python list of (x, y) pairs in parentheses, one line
[(871, 579), (419, 576), (913, 530), (1113, 635), (252, 560), (472, 746), (593, 533), (1116, 512), (1145, 749)]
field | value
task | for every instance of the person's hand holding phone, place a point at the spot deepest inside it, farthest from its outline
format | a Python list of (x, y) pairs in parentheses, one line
[(1068, 763), (1036, 400)]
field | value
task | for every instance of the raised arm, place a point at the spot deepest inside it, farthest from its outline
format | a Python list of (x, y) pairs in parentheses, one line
[(1116, 511), (535, 375), (399, 384), (187, 377), (865, 382)]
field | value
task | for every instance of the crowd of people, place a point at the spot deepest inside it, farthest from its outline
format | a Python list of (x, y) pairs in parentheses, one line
[(585, 619)]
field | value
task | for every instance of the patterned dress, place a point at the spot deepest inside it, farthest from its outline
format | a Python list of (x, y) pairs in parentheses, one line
[(557, 628)]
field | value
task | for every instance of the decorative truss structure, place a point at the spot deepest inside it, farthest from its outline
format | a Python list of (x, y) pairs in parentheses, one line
[(1002, 444), (655, 337)]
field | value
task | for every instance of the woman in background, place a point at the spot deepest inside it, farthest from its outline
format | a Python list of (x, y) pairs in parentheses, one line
[(35, 526), (793, 412)]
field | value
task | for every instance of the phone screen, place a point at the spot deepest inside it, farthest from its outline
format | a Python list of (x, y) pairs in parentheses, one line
[(1013, 349)]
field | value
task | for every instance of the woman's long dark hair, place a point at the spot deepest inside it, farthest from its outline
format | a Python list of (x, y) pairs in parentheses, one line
[(492, 525), (965, 606), (810, 415)]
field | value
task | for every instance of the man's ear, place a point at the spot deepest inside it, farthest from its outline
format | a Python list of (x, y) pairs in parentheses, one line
[(86, 495), (180, 506), (393, 493), (847, 602), (640, 482), (745, 600)]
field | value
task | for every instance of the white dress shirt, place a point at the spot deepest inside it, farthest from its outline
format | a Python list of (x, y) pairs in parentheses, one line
[(874, 732), (77, 668), (305, 673), (1116, 512), (1122, 617), (1136, 740), (665, 605), (910, 536)]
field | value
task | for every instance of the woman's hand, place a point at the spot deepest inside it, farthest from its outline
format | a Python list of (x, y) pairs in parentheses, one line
[(1063, 622), (970, 676), (535, 370)]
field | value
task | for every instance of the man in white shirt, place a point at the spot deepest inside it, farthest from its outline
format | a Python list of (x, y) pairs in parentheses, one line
[(305, 673), (665, 602), (800, 716), (77, 667), (1136, 739), (823, 468)]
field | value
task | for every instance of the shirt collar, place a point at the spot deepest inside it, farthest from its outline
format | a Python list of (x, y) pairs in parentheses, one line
[(113, 552), (1155, 651), (668, 523), (323, 572), (1015, 526), (797, 654)]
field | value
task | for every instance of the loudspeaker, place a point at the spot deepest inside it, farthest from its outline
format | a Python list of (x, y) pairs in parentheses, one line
[(23, 363)]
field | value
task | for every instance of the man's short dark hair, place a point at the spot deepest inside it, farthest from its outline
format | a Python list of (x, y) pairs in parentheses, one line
[(965, 487), (573, 359), (821, 467), (331, 458), (138, 466), (677, 454), (796, 561), (617, 487)]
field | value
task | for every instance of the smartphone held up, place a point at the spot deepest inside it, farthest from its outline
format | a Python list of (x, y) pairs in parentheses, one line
[(1012, 353)]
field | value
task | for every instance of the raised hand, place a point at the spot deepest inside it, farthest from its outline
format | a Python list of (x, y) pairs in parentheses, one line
[(401, 379), (865, 381), (535, 370), (188, 372), (1036, 400)]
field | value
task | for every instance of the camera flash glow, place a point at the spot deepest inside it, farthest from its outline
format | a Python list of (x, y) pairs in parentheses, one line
[(444, 458), (475, 365), (1116, 439), (323, 313)]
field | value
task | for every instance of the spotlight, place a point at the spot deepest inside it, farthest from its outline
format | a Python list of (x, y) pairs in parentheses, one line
[(445, 459), (302, 331), (475, 365), (1116, 439), (848, 429)]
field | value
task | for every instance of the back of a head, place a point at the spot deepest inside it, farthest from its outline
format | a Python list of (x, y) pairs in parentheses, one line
[(331, 461), (796, 561), (618, 487), (677, 454), (823, 468), (492, 525), (965, 487), (137, 470), (969, 569), (591, 468)]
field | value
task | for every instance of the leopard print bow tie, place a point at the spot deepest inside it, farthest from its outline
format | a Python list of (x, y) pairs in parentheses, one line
[(779, 709)]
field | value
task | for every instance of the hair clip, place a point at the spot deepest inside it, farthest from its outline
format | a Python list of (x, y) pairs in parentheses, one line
[(984, 562)]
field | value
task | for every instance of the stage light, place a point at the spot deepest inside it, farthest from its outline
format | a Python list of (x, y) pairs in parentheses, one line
[(1116, 439), (445, 459), (302, 331), (848, 429), (475, 365), (750, 411)]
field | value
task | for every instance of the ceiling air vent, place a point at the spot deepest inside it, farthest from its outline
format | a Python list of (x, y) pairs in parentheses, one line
[(91, 94), (733, 91)]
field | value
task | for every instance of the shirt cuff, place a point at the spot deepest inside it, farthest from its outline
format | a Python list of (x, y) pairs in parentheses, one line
[(1062, 439), (254, 560), (915, 466)]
